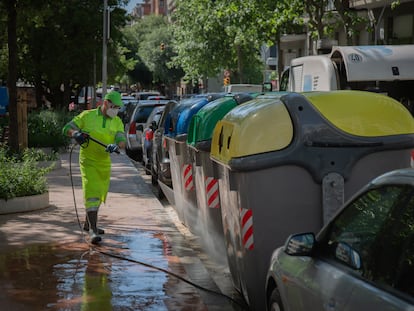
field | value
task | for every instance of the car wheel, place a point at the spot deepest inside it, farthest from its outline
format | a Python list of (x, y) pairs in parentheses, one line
[(154, 180), (275, 303), (138, 157), (160, 193), (154, 177), (148, 169), (131, 154)]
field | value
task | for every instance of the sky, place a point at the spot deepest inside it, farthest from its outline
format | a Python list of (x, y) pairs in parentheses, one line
[(132, 4)]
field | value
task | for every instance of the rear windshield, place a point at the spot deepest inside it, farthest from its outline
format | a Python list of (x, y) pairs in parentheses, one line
[(143, 113), (157, 118), (145, 96)]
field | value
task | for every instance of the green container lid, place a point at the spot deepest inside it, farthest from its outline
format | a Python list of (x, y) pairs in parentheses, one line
[(203, 122)]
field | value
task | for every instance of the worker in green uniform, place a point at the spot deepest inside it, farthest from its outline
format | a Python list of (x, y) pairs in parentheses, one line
[(101, 124)]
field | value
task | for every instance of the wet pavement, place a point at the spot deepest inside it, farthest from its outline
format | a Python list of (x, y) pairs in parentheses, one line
[(147, 260)]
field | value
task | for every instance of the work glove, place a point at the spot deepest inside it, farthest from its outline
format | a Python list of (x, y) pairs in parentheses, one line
[(80, 137), (112, 148)]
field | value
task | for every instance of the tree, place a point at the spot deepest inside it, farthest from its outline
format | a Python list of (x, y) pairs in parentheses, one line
[(51, 43), (12, 73), (210, 36), (153, 63)]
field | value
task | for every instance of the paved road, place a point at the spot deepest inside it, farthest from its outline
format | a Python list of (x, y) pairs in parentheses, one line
[(148, 260)]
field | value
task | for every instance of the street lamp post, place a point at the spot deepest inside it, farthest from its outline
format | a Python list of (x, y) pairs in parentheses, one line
[(104, 48)]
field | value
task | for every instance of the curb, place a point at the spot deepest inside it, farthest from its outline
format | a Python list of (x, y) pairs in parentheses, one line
[(24, 204)]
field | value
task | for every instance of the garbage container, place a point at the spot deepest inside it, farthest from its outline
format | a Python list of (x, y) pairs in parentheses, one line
[(210, 228), (285, 165), (4, 100), (181, 168)]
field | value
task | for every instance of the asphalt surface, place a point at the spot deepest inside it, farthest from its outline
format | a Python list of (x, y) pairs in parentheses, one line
[(130, 213)]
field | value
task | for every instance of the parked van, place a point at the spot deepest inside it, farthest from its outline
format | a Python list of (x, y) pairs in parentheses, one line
[(387, 69), (249, 88)]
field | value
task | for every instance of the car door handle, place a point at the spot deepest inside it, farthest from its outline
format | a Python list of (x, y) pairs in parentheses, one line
[(331, 305)]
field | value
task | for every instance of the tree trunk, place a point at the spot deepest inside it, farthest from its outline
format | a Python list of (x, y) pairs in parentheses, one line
[(12, 74), (66, 95), (239, 64)]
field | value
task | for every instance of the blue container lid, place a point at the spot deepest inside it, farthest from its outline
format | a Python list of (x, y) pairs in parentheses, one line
[(178, 121)]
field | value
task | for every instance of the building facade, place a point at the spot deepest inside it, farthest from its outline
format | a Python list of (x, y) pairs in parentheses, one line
[(389, 25)]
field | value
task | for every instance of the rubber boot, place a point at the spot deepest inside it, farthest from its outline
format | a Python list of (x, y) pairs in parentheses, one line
[(93, 230), (86, 226)]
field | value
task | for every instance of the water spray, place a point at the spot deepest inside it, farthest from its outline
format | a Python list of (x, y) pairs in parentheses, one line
[(100, 250)]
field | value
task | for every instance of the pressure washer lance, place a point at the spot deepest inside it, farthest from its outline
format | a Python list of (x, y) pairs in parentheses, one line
[(88, 138), (100, 143)]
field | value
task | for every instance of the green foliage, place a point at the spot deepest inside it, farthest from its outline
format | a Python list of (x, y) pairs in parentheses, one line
[(152, 65), (210, 36), (59, 41), (20, 174), (39, 155), (45, 128)]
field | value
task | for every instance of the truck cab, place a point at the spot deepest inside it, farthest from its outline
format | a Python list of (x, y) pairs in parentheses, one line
[(383, 69)]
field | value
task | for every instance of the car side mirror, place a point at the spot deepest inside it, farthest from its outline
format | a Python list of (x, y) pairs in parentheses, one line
[(300, 244), (267, 87)]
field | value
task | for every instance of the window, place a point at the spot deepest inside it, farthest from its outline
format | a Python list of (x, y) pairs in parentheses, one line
[(379, 226), (297, 73), (143, 114)]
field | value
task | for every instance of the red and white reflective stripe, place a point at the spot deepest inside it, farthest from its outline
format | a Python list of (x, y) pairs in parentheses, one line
[(246, 219), (412, 158), (188, 177), (212, 191)]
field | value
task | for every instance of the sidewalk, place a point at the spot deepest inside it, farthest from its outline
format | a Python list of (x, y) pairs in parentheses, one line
[(130, 204), (131, 207)]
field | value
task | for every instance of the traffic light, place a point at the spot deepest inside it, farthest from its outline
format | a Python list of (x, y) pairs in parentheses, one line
[(226, 81), (162, 46)]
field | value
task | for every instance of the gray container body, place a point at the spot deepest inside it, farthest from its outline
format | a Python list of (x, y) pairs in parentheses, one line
[(210, 226), (282, 200), (265, 197), (182, 177)]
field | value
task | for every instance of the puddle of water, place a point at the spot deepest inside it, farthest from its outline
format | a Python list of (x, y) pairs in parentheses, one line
[(72, 277)]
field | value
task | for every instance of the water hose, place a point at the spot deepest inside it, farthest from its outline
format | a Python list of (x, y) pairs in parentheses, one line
[(99, 250)]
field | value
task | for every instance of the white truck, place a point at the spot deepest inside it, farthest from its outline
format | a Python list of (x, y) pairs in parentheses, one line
[(250, 88), (387, 69)]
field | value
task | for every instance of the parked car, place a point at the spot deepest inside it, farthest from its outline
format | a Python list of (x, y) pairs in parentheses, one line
[(126, 110), (133, 129), (160, 166), (363, 259), (147, 137), (156, 97), (144, 95)]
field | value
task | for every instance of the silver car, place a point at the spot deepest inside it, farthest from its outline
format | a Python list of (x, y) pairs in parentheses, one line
[(363, 259), (135, 126), (147, 137)]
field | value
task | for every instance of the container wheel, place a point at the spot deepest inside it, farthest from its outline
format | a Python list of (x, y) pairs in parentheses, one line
[(275, 303)]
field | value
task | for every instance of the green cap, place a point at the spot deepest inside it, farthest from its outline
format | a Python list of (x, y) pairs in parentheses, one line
[(115, 98)]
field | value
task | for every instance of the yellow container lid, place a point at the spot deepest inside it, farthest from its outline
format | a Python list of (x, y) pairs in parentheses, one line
[(271, 124), (258, 126), (363, 113)]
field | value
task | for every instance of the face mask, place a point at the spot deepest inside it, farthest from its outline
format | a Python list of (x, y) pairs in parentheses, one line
[(111, 112)]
